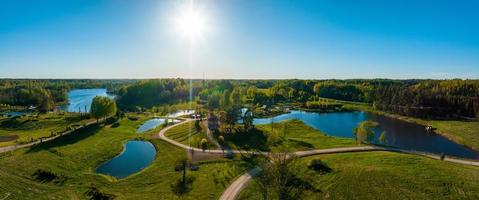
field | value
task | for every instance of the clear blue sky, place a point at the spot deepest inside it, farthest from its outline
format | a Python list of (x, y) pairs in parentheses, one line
[(309, 39)]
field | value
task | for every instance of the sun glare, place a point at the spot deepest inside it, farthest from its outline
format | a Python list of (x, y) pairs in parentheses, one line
[(191, 23)]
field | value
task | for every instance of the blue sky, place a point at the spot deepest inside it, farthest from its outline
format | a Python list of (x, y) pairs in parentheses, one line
[(310, 39)]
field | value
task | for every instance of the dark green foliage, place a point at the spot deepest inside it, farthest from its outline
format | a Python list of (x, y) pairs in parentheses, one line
[(319, 166), (115, 125), (280, 178), (182, 186), (232, 115), (430, 99), (95, 194), (248, 120), (197, 125), (150, 93), (45, 176)]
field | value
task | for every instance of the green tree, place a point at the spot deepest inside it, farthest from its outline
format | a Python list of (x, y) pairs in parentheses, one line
[(364, 132), (382, 138), (248, 120), (102, 107), (204, 144), (235, 97), (214, 101), (279, 178), (225, 99), (231, 116), (45, 103)]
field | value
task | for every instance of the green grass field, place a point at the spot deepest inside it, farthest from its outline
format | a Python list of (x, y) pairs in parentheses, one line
[(74, 158), (32, 127), (384, 175), (291, 135)]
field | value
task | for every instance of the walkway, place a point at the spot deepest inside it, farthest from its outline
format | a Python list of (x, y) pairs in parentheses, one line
[(235, 188)]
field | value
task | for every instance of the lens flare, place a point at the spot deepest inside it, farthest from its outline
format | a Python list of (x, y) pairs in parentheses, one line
[(191, 23)]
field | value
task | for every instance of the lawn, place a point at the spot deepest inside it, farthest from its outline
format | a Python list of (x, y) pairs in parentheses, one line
[(73, 158), (290, 135), (384, 175), (32, 127), (181, 133)]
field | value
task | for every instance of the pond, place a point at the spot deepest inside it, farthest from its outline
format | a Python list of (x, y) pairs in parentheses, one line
[(80, 100), (399, 134), (136, 156), (153, 123), (180, 113), (13, 114)]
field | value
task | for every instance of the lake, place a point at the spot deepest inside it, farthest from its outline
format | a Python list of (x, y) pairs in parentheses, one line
[(80, 100), (136, 156), (399, 134)]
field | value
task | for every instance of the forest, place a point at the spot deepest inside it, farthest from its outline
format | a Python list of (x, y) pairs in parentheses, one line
[(419, 98)]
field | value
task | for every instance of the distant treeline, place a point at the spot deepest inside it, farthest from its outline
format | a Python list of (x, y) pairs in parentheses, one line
[(45, 94), (421, 98)]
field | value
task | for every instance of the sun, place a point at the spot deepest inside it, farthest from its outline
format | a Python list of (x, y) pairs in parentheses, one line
[(190, 22)]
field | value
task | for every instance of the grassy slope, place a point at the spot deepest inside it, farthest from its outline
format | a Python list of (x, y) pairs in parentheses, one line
[(296, 136), (78, 155), (291, 135), (384, 175), (180, 133), (29, 127)]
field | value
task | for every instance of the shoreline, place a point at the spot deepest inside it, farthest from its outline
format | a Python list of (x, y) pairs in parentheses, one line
[(420, 122)]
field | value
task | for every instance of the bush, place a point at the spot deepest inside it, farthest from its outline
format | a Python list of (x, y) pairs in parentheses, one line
[(132, 118), (319, 166), (116, 124), (111, 120), (181, 187), (96, 194), (47, 176)]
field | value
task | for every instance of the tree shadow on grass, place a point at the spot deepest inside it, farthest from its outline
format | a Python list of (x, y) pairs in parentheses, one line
[(300, 143), (68, 139), (252, 139)]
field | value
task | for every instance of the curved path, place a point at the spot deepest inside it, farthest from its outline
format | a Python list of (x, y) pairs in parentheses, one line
[(234, 189)]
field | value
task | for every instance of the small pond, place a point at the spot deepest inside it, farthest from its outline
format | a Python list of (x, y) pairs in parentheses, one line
[(180, 113), (80, 100), (399, 134), (13, 114), (136, 156), (153, 123)]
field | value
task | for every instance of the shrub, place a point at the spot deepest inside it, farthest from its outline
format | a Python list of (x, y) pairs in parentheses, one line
[(319, 166), (181, 187), (96, 194), (132, 118), (116, 124), (47, 176), (204, 144)]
